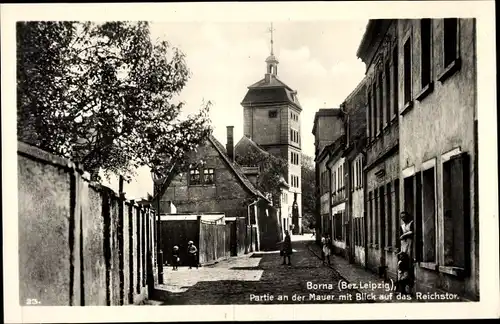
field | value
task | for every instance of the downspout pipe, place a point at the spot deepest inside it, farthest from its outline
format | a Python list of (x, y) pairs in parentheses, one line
[(365, 210), (250, 223)]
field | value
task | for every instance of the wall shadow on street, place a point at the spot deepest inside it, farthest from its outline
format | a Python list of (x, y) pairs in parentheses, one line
[(276, 279)]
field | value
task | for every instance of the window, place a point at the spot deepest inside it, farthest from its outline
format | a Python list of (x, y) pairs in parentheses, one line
[(396, 212), (382, 216), (376, 213), (371, 218), (194, 177), (456, 210), (450, 40), (334, 178), (380, 102), (369, 115), (390, 222), (273, 113), (429, 216), (361, 172), (294, 136), (362, 231), (418, 217), (408, 195), (294, 158), (407, 72), (387, 92), (395, 81), (352, 176), (450, 48), (426, 53), (324, 181), (208, 175), (338, 226), (375, 123)]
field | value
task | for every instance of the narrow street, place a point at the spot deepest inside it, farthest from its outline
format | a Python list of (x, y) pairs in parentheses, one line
[(260, 278)]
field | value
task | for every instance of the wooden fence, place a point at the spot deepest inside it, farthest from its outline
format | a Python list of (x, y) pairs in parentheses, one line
[(214, 242)]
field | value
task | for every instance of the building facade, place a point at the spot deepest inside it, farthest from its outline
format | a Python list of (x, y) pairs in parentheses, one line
[(354, 107), (272, 120), (247, 147), (379, 51), (337, 198), (214, 183), (327, 128), (438, 131)]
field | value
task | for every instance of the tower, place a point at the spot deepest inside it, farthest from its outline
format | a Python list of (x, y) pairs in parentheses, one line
[(272, 120)]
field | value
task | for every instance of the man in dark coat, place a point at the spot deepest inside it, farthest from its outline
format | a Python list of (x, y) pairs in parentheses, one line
[(287, 248)]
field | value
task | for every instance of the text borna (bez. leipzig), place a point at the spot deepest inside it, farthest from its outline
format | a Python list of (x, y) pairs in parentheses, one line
[(343, 285)]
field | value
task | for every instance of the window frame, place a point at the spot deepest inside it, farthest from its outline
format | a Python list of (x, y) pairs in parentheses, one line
[(426, 89), (443, 268), (455, 64), (395, 83), (426, 166), (201, 175), (407, 79)]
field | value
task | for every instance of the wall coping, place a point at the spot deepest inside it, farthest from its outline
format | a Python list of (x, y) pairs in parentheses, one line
[(39, 154)]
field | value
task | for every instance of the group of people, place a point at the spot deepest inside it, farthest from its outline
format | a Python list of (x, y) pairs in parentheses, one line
[(192, 253), (405, 279)]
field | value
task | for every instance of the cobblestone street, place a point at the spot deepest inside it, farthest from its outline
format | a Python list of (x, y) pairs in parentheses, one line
[(260, 278)]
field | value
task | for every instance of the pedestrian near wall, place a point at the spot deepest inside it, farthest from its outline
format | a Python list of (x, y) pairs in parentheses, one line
[(287, 250), (405, 260), (192, 253), (326, 248)]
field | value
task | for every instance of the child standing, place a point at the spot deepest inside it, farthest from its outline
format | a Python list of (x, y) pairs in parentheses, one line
[(192, 252), (176, 258)]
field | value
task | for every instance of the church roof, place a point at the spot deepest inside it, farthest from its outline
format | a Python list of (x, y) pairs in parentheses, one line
[(270, 90)]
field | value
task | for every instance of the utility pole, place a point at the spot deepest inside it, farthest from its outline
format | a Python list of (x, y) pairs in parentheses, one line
[(160, 252)]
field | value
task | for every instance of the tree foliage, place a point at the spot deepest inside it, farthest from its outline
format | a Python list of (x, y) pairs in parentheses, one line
[(272, 171), (103, 94), (308, 181)]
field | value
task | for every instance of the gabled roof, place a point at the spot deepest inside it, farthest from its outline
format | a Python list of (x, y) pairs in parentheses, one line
[(273, 82), (270, 90), (237, 170), (247, 142)]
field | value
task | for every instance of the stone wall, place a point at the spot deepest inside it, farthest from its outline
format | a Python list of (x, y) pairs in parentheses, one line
[(73, 237)]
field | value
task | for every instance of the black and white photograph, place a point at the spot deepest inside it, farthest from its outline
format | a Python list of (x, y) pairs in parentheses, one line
[(249, 161)]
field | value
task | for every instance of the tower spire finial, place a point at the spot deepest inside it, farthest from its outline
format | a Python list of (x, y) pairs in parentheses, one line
[(272, 42)]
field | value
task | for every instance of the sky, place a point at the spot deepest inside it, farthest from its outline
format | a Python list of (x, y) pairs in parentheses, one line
[(316, 58)]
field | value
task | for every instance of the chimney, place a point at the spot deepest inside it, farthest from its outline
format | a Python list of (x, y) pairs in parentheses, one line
[(251, 173), (230, 143)]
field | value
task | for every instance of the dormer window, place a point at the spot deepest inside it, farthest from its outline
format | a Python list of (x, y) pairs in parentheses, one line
[(273, 113)]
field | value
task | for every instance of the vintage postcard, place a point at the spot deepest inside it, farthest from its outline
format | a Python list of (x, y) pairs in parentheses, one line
[(249, 161)]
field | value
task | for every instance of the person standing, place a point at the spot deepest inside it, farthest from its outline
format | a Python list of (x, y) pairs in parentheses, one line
[(327, 243), (176, 259), (405, 263), (287, 248), (192, 253)]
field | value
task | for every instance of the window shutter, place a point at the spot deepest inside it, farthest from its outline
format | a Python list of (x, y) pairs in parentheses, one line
[(460, 207)]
